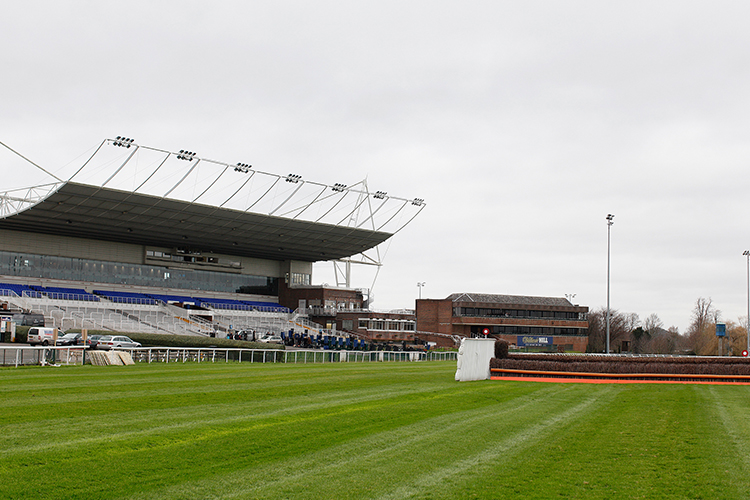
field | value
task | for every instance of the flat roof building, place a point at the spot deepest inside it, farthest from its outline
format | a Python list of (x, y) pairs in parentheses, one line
[(539, 322)]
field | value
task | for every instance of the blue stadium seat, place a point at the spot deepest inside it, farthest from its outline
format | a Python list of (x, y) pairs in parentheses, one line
[(54, 292), (126, 297)]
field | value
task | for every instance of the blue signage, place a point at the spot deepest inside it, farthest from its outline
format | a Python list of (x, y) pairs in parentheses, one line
[(533, 341), (721, 330)]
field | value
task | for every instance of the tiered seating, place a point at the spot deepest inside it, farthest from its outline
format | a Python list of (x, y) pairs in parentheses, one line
[(267, 306), (54, 292), (240, 304), (19, 289), (174, 298), (222, 303), (126, 297), (68, 307)]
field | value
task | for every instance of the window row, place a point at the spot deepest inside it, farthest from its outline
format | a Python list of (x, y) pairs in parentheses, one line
[(516, 313), (389, 325), (526, 330), (67, 268)]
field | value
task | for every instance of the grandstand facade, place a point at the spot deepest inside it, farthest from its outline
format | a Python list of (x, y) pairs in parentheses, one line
[(144, 239)]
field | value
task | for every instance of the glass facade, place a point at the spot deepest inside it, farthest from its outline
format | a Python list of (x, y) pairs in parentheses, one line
[(517, 313), (392, 325), (67, 268), (528, 330)]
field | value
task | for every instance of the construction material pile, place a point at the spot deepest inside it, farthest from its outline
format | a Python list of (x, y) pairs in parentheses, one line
[(107, 358)]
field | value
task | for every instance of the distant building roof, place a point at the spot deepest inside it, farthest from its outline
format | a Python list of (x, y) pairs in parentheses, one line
[(509, 299)]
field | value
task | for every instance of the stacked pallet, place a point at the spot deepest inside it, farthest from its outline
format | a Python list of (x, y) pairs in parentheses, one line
[(125, 357), (110, 358)]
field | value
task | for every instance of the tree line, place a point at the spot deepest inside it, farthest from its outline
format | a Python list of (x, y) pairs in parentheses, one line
[(628, 333)]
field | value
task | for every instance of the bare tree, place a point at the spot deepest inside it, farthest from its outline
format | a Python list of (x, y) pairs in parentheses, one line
[(640, 340), (652, 324), (701, 332), (621, 324)]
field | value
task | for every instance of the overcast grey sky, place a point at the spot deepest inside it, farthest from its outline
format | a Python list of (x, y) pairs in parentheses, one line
[(522, 125)]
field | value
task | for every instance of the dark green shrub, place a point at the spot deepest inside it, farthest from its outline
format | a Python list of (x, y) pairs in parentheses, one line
[(501, 349)]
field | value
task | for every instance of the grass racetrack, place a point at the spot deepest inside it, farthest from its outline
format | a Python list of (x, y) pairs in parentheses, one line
[(379, 431)]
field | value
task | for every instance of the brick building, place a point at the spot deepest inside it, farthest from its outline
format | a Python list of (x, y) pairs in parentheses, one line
[(547, 322), (380, 326), (343, 310)]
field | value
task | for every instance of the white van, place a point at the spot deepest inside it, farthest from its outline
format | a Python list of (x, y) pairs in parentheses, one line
[(39, 335)]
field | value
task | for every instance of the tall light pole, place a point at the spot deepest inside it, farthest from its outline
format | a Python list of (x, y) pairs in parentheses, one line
[(420, 284), (610, 218), (746, 253)]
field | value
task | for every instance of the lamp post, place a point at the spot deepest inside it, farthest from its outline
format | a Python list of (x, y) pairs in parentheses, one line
[(420, 284), (746, 253), (610, 218)]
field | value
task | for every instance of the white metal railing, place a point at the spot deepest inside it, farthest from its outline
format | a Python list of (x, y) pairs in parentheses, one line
[(213, 354), (76, 355), (27, 355), (245, 307)]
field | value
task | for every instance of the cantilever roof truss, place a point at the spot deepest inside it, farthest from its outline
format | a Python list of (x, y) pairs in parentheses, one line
[(162, 201)]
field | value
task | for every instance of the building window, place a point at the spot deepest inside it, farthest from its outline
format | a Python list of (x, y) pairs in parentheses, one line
[(68, 268), (299, 279)]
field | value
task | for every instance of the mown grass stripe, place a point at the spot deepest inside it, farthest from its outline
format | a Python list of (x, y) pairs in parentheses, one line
[(382, 430), (508, 448), (354, 454), (734, 415), (189, 418)]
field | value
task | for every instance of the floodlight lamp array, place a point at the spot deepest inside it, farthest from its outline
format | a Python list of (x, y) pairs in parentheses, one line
[(243, 167), (123, 142), (185, 155), (293, 178)]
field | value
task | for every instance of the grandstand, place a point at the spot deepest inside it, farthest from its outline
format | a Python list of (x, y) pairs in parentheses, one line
[(142, 239)]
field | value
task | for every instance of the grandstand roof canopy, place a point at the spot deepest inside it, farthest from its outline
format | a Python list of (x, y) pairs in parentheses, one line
[(84, 211), (140, 195), (486, 298)]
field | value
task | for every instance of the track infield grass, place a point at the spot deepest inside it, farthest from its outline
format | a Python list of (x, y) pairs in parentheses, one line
[(376, 431)]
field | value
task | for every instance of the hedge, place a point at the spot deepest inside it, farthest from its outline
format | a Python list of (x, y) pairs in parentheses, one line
[(617, 364)]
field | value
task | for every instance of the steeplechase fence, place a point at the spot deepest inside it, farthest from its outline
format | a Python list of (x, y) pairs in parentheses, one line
[(19, 356)]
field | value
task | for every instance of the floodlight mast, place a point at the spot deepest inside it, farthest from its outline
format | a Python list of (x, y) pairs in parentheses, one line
[(610, 221), (746, 253)]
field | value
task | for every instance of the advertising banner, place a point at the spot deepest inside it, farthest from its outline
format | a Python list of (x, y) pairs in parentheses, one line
[(534, 341)]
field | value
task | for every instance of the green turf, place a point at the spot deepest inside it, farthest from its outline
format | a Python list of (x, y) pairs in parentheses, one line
[(380, 430)]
